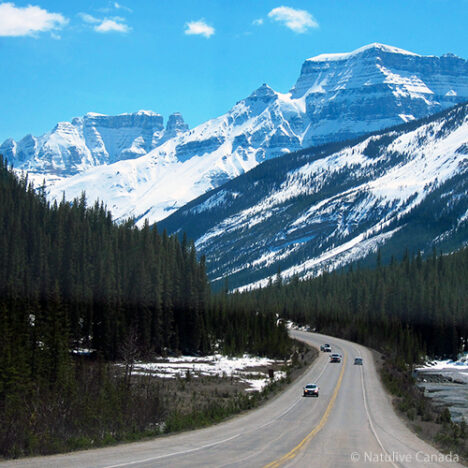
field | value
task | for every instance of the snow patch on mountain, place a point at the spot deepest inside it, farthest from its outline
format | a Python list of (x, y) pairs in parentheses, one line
[(322, 208), (346, 56), (330, 260)]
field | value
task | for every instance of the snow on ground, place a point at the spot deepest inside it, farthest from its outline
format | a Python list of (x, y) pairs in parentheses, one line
[(459, 367), (83, 351), (243, 368), (445, 382)]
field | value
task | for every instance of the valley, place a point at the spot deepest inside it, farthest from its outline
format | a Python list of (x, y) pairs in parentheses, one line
[(165, 289)]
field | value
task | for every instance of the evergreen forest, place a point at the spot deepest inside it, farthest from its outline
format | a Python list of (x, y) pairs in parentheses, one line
[(77, 292), (408, 308)]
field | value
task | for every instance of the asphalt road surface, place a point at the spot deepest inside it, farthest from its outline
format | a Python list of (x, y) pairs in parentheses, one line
[(351, 424)]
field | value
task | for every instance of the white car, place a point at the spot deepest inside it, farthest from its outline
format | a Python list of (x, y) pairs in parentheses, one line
[(311, 390)]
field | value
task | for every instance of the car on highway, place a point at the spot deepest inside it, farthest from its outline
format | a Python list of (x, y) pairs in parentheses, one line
[(358, 361), (326, 348), (335, 357), (311, 390)]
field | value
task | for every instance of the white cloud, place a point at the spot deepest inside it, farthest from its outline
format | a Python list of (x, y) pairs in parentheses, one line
[(111, 25), (112, 6), (199, 28), (297, 20), (257, 22), (107, 24), (27, 21), (89, 18), (119, 6)]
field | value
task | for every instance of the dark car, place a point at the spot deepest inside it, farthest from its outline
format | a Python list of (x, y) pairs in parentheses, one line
[(358, 361), (311, 390), (335, 357)]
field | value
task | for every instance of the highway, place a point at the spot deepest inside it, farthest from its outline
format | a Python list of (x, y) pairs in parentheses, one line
[(351, 424)]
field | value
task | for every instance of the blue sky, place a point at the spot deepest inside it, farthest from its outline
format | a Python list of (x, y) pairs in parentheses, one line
[(198, 57)]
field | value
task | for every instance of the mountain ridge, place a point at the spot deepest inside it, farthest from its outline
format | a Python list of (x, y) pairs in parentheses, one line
[(324, 207), (152, 172), (92, 140)]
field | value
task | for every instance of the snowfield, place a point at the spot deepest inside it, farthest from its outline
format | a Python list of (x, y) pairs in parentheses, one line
[(460, 366), (244, 369)]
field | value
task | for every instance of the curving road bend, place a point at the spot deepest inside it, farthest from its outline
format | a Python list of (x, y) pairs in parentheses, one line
[(351, 424)]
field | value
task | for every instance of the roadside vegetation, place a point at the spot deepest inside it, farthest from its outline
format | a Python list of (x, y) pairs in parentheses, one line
[(211, 400), (105, 407), (432, 423)]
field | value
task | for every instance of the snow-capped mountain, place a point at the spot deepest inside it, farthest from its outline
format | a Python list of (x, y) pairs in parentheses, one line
[(139, 169), (375, 87), (93, 140), (327, 206)]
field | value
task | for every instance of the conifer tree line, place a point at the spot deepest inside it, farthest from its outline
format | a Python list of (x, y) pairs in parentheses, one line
[(96, 280), (409, 308), (71, 277)]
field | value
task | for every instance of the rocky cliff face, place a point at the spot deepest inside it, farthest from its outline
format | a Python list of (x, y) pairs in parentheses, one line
[(90, 141), (336, 97), (175, 125), (374, 87)]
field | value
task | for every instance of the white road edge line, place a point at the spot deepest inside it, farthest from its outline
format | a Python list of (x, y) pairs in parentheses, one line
[(173, 454), (383, 429), (370, 419)]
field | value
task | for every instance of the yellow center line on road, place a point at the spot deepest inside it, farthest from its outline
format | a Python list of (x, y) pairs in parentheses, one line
[(291, 454)]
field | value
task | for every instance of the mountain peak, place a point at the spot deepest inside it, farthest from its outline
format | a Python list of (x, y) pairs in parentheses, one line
[(144, 112), (141, 112), (140, 119), (375, 46), (263, 91), (94, 114), (262, 96), (404, 73), (175, 124)]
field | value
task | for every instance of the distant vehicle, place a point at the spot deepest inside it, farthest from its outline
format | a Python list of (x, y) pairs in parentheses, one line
[(311, 390), (358, 361), (335, 357), (326, 348)]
